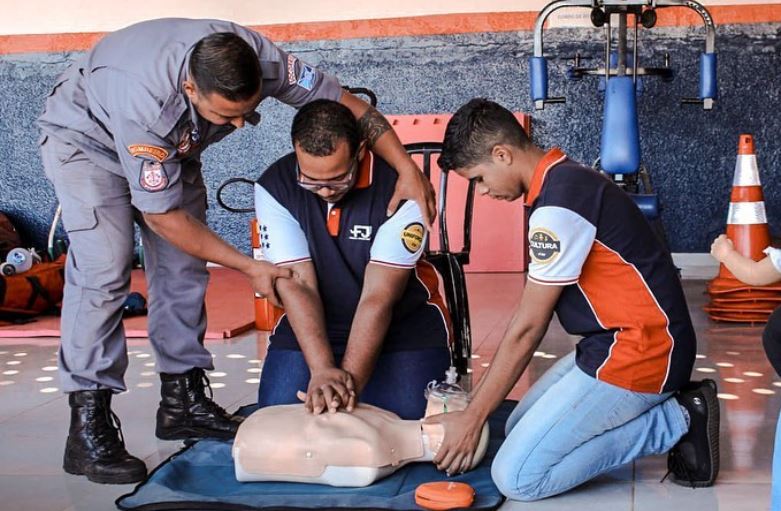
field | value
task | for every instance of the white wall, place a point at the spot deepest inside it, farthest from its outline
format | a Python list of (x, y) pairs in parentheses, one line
[(63, 16)]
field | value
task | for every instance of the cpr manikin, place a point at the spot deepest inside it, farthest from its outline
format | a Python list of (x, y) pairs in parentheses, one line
[(287, 443)]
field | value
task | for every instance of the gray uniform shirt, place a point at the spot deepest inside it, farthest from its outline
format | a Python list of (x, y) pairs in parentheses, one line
[(123, 104)]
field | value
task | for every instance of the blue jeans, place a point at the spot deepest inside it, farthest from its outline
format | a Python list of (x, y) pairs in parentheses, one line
[(775, 500), (571, 427), (397, 383)]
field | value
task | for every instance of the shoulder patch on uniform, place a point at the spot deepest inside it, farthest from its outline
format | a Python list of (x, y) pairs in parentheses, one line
[(412, 237), (544, 245), (307, 78), (291, 70), (153, 176), (158, 153)]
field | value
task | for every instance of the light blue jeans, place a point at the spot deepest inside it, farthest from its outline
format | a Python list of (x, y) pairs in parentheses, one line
[(571, 427)]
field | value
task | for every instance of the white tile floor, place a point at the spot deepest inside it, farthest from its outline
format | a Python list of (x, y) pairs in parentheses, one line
[(34, 415)]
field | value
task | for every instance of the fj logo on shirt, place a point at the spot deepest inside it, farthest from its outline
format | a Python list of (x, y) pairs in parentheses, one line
[(153, 177), (412, 237), (158, 153), (544, 246), (361, 232)]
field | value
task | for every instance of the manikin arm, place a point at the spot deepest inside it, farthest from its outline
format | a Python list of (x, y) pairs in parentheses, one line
[(383, 286), (329, 386)]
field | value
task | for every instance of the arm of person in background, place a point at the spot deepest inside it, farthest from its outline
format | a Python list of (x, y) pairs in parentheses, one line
[(395, 250), (412, 183), (285, 244), (753, 273)]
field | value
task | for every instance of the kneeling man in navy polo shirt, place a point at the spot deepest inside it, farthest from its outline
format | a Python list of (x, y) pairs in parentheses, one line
[(624, 392), (364, 319)]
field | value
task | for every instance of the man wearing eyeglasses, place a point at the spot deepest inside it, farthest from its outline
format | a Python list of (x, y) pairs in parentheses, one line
[(122, 136), (364, 319)]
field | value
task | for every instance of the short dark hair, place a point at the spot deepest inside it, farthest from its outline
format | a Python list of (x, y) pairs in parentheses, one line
[(225, 64), (473, 132), (320, 124)]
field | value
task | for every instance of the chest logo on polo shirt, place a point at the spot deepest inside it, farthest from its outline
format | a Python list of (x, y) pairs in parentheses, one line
[(153, 176), (412, 237), (361, 233), (544, 246)]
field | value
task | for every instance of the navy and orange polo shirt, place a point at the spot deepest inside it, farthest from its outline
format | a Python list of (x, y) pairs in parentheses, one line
[(622, 292), (341, 239)]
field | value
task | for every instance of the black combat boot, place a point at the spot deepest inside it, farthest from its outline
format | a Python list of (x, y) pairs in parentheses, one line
[(186, 412), (95, 446), (694, 460)]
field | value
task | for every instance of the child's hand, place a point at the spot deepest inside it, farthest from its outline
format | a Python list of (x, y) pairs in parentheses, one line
[(721, 248)]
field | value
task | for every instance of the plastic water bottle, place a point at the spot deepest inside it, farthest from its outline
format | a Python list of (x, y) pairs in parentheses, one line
[(21, 259), (447, 396)]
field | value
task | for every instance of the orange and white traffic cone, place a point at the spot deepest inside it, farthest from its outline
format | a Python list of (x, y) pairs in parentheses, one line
[(747, 228)]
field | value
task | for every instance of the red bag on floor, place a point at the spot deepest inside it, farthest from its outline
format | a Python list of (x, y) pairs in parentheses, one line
[(33, 292), (9, 237)]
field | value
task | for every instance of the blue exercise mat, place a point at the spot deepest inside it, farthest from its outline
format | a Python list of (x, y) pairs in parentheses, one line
[(201, 477)]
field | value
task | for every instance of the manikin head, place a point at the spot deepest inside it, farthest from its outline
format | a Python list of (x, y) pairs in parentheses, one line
[(224, 80), (485, 142), (328, 147)]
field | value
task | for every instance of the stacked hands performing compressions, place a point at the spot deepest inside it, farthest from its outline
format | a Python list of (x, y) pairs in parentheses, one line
[(331, 390)]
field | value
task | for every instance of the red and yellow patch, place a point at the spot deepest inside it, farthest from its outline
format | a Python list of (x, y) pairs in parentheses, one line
[(158, 153)]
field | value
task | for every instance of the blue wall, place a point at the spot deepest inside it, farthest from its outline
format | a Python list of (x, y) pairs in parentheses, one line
[(689, 152)]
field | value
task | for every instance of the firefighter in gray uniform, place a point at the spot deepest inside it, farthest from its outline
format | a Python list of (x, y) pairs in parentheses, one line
[(122, 134)]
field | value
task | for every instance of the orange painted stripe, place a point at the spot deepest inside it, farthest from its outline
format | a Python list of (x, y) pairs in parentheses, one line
[(640, 355), (722, 15), (40, 43), (439, 24)]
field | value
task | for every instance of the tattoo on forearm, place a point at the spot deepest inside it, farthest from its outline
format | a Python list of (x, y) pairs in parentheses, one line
[(372, 125)]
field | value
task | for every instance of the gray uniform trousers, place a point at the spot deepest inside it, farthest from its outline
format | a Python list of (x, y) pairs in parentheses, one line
[(98, 216)]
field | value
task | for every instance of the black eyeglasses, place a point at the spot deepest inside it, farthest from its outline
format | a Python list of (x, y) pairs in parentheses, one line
[(336, 184)]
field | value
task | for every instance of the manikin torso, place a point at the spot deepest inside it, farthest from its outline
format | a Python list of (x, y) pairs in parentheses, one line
[(287, 443)]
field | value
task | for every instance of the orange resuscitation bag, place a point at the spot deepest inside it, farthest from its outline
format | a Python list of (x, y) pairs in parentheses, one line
[(442, 495)]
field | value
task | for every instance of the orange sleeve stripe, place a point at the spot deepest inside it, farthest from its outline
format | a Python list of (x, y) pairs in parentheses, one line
[(427, 275)]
